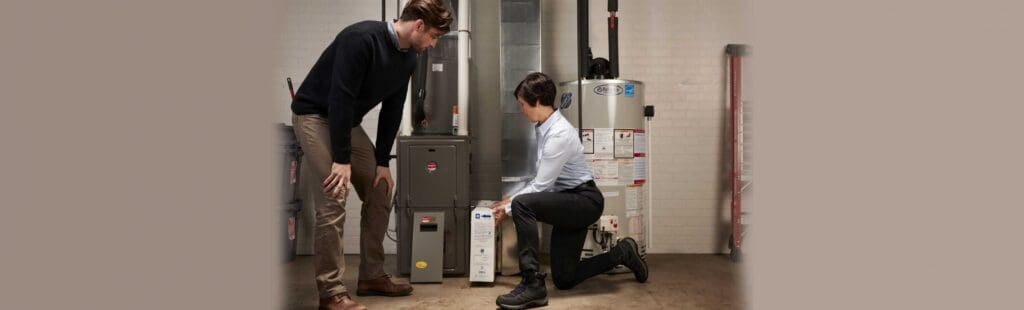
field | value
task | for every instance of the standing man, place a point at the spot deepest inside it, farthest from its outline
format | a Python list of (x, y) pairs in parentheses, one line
[(562, 194), (369, 62)]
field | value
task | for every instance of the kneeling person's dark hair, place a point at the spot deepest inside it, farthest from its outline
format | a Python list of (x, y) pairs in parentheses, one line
[(537, 86)]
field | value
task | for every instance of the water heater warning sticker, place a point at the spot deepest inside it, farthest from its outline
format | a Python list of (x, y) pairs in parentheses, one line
[(623, 143), (639, 156), (605, 171), (640, 169), (604, 143), (639, 142), (587, 138)]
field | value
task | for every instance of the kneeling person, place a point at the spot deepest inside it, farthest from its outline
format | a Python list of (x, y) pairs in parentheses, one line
[(562, 194)]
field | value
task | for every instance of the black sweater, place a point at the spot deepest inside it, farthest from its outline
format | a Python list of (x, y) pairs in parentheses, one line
[(361, 68)]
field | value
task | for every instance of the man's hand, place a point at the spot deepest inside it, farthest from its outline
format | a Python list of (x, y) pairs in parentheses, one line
[(336, 183), (384, 173)]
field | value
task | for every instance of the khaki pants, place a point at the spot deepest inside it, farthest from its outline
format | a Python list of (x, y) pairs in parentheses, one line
[(314, 137)]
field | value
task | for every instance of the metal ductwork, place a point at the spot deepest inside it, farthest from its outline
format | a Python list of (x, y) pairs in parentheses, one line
[(520, 55)]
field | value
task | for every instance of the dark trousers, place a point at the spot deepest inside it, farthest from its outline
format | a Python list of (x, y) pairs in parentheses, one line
[(570, 213)]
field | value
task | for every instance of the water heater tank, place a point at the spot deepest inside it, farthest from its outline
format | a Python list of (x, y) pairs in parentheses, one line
[(615, 146)]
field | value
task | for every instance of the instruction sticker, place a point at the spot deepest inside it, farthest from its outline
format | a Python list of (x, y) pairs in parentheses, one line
[(623, 140), (604, 143), (605, 171), (587, 138), (633, 198), (626, 171), (639, 141), (640, 169)]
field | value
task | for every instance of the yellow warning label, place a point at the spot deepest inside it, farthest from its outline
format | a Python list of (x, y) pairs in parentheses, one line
[(421, 264)]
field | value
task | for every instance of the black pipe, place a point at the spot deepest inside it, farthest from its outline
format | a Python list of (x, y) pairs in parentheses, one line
[(582, 41), (583, 36), (383, 8), (613, 39)]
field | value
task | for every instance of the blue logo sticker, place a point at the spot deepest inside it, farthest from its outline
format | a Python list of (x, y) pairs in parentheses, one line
[(487, 216), (630, 90), (566, 100), (478, 216)]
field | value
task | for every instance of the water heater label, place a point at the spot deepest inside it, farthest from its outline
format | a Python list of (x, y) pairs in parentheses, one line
[(587, 136), (639, 142), (640, 169), (604, 143), (630, 90), (608, 90), (639, 156), (623, 140)]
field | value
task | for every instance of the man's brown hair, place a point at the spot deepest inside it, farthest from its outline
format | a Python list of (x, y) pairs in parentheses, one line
[(434, 13)]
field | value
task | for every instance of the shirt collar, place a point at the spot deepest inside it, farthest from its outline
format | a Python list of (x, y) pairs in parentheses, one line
[(394, 36), (548, 123)]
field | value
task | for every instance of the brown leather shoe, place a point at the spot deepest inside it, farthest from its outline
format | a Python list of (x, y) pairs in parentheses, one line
[(383, 287), (340, 302)]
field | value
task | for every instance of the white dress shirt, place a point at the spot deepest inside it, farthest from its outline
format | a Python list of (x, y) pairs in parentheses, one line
[(560, 164)]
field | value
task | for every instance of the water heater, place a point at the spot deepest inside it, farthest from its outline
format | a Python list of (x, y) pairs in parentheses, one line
[(615, 148)]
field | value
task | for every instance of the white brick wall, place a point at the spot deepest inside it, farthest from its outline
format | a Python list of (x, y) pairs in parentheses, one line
[(676, 47)]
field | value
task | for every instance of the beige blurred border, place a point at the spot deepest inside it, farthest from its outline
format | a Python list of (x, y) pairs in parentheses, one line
[(886, 175), (141, 177), (137, 145)]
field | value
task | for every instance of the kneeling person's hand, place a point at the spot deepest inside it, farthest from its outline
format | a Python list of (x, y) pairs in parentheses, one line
[(498, 211)]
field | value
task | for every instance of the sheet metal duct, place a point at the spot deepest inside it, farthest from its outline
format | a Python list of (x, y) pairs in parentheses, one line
[(520, 48), (520, 55)]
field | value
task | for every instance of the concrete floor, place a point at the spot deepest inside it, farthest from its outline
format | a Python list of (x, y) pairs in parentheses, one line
[(676, 282)]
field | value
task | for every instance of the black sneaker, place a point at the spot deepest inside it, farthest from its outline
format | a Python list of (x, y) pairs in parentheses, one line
[(530, 293), (631, 258)]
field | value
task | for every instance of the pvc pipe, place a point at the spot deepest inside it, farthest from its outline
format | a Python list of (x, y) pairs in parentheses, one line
[(463, 77), (406, 128), (650, 187)]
